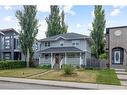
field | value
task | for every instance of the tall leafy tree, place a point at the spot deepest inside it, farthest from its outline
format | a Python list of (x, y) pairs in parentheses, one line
[(64, 27), (29, 29), (97, 32), (55, 22)]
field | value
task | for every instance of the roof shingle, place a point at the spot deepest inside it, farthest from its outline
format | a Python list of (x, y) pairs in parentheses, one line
[(61, 50)]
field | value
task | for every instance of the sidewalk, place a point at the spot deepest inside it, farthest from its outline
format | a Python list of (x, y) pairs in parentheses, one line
[(122, 75), (62, 84)]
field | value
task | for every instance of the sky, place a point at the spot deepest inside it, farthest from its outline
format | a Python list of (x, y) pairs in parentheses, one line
[(79, 18)]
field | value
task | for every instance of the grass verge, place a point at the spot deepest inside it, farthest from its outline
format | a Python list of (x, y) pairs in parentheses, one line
[(107, 77), (21, 73)]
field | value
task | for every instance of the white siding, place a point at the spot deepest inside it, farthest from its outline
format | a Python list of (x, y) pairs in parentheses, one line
[(67, 43)]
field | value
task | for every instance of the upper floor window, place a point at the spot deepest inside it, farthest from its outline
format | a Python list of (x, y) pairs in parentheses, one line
[(75, 43), (7, 43), (47, 44), (36, 46), (61, 43), (7, 37)]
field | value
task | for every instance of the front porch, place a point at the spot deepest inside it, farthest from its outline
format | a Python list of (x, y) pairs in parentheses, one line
[(57, 59)]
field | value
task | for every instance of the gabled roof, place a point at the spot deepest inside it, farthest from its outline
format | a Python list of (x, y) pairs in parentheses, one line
[(60, 50), (66, 36), (1, 33), (8, 30)]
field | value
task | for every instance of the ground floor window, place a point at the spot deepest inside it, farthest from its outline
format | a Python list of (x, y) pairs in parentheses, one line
[(7, 56), (73, 55)]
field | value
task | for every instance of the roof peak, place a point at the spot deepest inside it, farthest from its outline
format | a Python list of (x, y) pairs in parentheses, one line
[(65, 36)]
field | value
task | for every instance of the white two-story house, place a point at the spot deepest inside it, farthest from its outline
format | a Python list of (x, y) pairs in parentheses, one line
[(68, 48)]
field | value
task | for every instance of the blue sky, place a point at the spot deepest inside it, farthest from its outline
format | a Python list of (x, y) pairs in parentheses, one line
[(78, 17)]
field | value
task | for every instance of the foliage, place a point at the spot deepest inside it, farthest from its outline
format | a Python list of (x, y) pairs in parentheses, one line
[(45, 66), (12, 64), (103, 56), (68, 69), (29, 29), (55, 22), (97, 32)]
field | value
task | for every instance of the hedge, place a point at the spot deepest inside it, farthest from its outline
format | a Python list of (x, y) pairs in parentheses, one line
[(12, 64)]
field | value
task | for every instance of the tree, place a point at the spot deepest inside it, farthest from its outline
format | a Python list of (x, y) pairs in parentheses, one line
[(29, 29), (55, 22), (63, 25), (97, 32)]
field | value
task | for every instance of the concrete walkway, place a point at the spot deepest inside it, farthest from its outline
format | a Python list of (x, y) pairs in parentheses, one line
[(122, 75), (32, 76), (62, 84)]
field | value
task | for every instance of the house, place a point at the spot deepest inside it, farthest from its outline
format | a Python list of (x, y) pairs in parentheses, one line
[(10, 45), (10, 48), (116, 46), (68, 48)]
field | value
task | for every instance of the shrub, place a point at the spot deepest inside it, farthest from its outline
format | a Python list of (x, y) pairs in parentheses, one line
[(68, 69), (48, 66), (12, 64), (103, 56)]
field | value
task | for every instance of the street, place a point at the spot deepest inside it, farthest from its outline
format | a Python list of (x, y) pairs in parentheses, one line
[(12, 85)]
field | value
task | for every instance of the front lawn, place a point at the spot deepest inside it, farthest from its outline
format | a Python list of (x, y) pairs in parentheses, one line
[(88, 76), (108, 77), (80, 76), (21, 73)]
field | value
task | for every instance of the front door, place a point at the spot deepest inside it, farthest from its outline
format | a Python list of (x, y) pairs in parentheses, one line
[(57, 59), (117, 57)]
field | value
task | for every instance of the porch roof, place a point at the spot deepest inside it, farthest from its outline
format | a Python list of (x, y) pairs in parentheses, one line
[(61, 50)]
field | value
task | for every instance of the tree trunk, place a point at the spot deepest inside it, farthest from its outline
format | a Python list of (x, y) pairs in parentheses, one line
[(28, 57)]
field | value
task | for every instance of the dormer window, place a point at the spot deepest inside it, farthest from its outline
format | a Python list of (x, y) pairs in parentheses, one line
[(47, 44)]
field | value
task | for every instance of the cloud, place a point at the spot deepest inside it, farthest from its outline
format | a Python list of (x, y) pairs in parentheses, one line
[(8, 19), (89, 25), (68, 9), (42, 29), (78, 25), (43, 8), (119, 6), (115, 12), (7, 7), (92, 13)]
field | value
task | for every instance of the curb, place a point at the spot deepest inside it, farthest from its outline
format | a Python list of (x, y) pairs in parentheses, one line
[(73, 85), (22, 80)]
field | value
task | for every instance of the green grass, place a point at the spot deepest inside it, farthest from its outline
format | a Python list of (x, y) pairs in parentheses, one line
[(107, 77), (21, 73)]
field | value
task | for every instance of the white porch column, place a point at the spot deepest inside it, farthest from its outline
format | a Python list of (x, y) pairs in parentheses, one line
[(65, 58), (40, 56), (51, 60), (80, 58)]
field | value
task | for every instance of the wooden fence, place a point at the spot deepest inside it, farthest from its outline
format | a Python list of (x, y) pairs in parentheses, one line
[(95, 63)]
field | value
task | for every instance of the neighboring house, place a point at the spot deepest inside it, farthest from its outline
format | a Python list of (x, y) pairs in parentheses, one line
[(116, 46), (9, 45), (68, 48), (36, 49)]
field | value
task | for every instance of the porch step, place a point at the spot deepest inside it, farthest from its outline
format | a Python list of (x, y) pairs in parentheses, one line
[(56, 67), (118, 67)]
